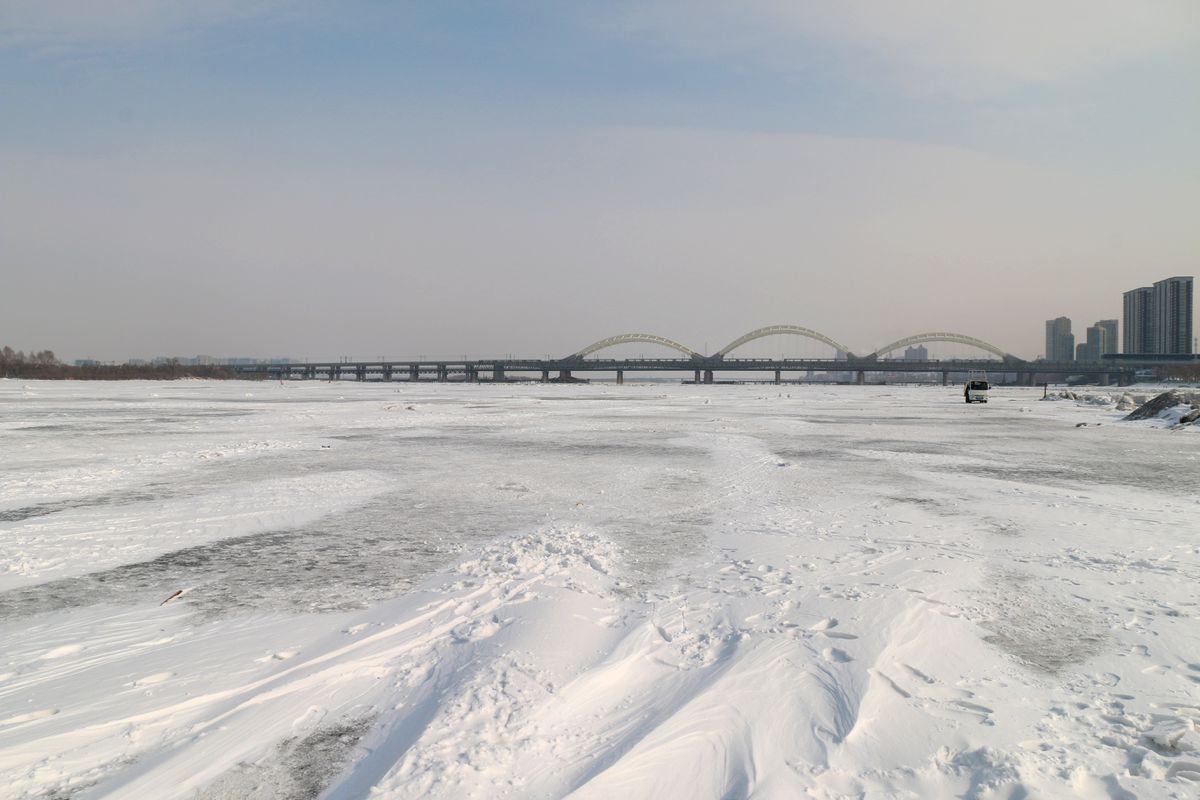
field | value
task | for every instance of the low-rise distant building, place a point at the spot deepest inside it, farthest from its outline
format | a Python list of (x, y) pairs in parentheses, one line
[(918, 353)]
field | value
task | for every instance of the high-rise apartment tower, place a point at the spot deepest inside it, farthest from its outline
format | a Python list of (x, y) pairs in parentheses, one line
[(1139, 320), (1060, 342), (1109, 343), (1173, 315)]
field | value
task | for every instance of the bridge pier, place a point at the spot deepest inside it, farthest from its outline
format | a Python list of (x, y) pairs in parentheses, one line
[(708, 376), (414, 372), (498, 373), (861, 378), (620, 377), (696, 378), (564, 374), (778, 377), (545, 376), (443, 373), (945, 379)]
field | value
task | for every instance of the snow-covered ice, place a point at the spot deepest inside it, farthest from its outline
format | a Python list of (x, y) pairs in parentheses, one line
[(639, 591)]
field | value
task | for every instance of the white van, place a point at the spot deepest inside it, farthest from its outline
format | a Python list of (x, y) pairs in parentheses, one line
[(976, 390)]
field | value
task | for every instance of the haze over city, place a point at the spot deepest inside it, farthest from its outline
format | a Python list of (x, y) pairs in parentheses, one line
[(315, 179)]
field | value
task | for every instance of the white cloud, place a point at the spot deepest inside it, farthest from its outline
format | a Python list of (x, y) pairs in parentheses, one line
[(961, 47), (80, 24)]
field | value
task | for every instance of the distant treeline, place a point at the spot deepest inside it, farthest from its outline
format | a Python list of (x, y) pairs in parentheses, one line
[(44, 365)]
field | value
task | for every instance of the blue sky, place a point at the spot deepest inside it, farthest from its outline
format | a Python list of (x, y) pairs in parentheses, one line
[(956, 155)]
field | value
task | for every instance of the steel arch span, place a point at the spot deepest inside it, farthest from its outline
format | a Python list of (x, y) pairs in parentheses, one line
[(627, 338), (793, 330), (942, 336)]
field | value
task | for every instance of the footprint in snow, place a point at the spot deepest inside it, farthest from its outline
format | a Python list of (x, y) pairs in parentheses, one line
[(476, 631), (835, 655), (972, 707), (916, 673)]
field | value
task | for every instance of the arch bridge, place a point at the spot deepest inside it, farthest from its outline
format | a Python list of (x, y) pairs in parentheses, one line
[(785, 330), (942, 336), (842, 366), (796, 330), (635, 338)]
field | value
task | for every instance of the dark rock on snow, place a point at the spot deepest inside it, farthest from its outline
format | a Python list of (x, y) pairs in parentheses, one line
[(1152, 408)]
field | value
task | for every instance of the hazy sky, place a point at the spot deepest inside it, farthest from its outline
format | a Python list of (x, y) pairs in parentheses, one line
[(307, 178)]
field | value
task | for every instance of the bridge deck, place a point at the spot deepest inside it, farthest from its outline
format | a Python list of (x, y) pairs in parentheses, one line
[(1121, 369)]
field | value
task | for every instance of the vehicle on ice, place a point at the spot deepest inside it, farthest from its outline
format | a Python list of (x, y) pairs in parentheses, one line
[(976, 390)]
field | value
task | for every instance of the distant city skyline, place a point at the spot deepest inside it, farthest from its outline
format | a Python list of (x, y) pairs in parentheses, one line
[(1157, 319), (1060, 343), (317, 178)]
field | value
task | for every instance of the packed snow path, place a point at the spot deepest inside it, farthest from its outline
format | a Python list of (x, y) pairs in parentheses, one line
[(646, 591)]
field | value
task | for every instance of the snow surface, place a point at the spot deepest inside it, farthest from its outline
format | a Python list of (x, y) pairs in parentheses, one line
[(644, 591)]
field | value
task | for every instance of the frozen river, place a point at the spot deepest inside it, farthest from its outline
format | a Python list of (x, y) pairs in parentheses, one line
[(644, 591)]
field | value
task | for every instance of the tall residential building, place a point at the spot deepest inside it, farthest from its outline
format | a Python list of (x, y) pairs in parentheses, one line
[(1060, 342), (918, 353), (1173, 315), (1109, 342), (1139, 320), (1091, 349)]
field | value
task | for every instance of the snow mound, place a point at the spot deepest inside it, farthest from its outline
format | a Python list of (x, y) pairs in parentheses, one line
[(569, 555), (1172, 407), (1128, 402), (1085, 398)]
